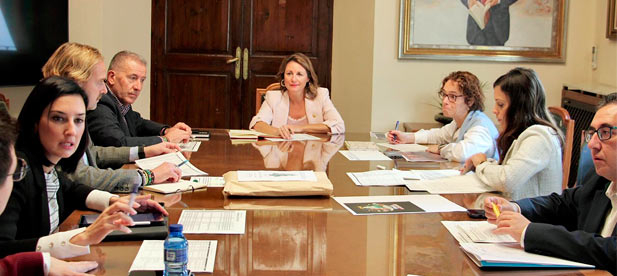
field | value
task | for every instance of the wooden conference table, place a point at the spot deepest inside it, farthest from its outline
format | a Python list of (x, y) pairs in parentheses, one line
[(311, 236)]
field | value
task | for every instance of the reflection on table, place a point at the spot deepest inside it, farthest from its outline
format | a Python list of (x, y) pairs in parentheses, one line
[(310, 235)]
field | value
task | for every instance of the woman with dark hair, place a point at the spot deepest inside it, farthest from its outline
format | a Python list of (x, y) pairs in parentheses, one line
[(529, 142), (470, 131), (300, 106), (52, 124)]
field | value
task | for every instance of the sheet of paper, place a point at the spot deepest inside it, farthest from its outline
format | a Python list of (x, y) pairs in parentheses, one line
[(245, 134), (202, 254), (364, 155), (377, 178), (462, 184), (361, 145), (188, 169), (513, 254), (251, 176), (404, 147), (475, 231), (374, 205), (180, 186), (427, 174), (379, 135), (213, 221), (210, 181), (191, 146), (422, 156), (295, 137)]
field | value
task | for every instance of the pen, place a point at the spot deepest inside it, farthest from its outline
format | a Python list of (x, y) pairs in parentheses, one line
[(496, 210), (395, 128), (182, 163), (134, 190)]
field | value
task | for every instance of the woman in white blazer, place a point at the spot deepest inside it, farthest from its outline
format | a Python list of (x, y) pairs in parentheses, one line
[(529, 144), (300, 106)]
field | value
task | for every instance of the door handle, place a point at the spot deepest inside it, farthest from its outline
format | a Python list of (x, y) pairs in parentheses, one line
[(237, 61), (245, 64)]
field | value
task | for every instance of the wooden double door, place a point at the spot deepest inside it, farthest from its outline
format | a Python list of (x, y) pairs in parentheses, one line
[(209, 56)]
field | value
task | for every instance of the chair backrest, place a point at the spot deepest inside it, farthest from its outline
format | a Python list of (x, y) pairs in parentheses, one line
[(260, 94), (566, 124), (585, 162)]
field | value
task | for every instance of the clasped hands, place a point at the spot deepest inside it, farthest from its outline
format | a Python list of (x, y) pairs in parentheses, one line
[(180, 132)]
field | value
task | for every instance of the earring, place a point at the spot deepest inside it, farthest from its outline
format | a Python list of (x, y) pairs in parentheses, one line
[(282, 83)]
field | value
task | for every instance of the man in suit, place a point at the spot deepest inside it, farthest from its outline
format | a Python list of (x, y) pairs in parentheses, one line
[(114, 123), (579, 224)]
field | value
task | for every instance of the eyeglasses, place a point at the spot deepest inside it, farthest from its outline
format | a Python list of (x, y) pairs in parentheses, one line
[(604, 133), (20, 171), (451, 97)]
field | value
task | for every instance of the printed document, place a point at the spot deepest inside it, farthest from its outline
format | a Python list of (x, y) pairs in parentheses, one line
[(377, 178), (475, 231), (294, 137), (256, 176), (462, 184), (360, 155), (200, 259), (188, 169), (404, 147), (191, 146), (213, 221), (380, 205), (427, 174), (512, 255), (177, 187), (209, 181)]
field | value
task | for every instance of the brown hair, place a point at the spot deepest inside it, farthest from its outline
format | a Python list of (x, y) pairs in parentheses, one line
[(469, 84), (73, 61), (310, 91)]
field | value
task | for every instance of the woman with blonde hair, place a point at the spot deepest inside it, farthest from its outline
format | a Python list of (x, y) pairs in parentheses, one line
[(300, 106)]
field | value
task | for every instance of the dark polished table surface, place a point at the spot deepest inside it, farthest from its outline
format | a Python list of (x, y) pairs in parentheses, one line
[(311, 236)]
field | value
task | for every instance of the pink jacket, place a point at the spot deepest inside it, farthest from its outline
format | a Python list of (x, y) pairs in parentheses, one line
[(320, 110)]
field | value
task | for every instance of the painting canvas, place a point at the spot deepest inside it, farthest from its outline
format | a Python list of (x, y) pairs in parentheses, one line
[(498, 30)]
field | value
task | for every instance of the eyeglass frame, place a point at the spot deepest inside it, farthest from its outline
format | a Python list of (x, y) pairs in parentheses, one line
[(442, 94), (21, 170), (590, 132)]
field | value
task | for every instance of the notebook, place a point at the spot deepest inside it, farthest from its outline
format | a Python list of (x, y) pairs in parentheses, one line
[(180, 186)]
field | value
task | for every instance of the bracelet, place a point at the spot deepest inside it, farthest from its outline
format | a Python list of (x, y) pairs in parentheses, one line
[(162, 132), (164, 139), (144, 178), (151, 177)]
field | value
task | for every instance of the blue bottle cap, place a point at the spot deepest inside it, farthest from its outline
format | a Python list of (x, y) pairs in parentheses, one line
[(175, 228)]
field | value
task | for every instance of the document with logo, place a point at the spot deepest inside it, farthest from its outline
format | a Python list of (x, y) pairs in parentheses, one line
[(380, 205)]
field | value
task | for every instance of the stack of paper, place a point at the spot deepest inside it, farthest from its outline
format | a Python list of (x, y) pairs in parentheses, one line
[(422, 156), (180, 186), (295, 137), (404, 147), (177, 158), (192, 146), (475, 231), (200, 259), (209, 181), (512, 255), (463, 184), (427, 174), (361, 145), (213, 221), (377, 178), (360, 155)]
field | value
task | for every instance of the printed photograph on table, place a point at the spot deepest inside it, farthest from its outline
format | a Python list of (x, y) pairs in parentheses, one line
[(488, 30), (384, 207)]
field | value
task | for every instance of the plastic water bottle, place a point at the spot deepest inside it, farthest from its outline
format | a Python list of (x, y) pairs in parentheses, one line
[(176, 252)]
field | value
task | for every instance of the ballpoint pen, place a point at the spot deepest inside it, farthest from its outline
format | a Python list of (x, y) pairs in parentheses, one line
[(182, 163), (395, 128), (134, 190)]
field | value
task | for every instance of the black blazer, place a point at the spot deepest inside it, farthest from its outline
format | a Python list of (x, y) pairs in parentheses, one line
[(107, 127), (568, 225), (26, 217)]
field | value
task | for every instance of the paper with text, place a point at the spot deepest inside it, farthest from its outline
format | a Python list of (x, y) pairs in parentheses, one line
[(213, 221), (377, 178), (475, 231), (177, 187), (462, 184), (364, 155), (209, 181), (513, 255), (253, 176), (427, 174), (191, 146), (188, 169), (202, 254)]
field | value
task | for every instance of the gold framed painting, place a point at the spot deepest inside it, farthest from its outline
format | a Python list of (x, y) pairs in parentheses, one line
[(611, 20), (485, 30)]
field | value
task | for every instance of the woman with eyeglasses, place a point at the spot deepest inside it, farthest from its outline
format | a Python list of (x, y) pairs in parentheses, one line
[(530, 143), (470, 131), (52, 124)]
